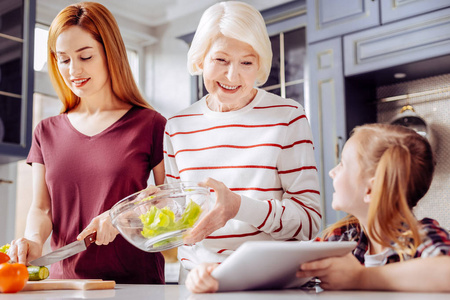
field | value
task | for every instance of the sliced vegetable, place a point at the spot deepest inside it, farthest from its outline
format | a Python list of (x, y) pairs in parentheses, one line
[(146, 199), (167, 241), (190, 215), (36, 273), (4, 248), (13, 277), (157, 221)]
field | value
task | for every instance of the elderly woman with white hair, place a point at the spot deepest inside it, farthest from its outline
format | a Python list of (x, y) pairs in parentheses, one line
[(253, 149)]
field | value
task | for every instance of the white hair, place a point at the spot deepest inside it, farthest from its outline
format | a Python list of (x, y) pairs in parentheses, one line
[(237, 20)]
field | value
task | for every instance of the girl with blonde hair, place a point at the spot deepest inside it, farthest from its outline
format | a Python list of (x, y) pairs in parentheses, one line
[(384, 171), (100, 149)]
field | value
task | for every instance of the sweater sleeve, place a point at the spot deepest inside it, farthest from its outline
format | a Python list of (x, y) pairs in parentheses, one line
[(297, 215), (170, 164)]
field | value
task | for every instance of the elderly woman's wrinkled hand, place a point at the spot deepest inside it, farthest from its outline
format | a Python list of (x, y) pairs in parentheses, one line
[(226, 207)]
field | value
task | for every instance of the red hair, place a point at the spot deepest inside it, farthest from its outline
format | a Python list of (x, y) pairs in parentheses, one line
[(98, 21)]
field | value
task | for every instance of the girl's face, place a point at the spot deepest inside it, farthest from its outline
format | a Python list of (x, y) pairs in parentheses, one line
[(82, 62), (349, 182), (229, 72)]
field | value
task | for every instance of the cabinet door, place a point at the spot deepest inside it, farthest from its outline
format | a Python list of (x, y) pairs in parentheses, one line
[(17, 21), (332, 18), (327, 114), (411, 40), (400, 9)]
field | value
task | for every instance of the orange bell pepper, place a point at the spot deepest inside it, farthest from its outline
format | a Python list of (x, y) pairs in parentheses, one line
[(13, 277)]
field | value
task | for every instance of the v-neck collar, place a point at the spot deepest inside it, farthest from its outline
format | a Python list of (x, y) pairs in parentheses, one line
[(104, 131)]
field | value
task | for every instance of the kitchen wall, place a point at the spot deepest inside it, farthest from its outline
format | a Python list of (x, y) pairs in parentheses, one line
[(8, 172), (167, 85), (435, 110)]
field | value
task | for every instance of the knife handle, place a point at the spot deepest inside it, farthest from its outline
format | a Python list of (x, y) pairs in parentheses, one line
[(90, 239)]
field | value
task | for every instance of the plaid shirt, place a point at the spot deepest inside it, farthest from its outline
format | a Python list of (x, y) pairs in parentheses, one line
[(435, 240)]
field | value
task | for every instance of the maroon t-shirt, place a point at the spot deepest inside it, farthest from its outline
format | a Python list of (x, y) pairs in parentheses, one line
[(86, 176)]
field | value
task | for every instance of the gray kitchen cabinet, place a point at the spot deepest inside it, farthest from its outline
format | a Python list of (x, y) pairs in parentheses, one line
[(332, 18), (394, 10), (326, 106), (414, 39), (17, 21)]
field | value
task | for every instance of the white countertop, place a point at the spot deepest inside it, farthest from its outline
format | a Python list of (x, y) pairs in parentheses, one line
[(179, 292)]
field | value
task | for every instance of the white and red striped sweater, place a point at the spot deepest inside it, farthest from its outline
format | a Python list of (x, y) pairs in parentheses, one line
[(264, 152)]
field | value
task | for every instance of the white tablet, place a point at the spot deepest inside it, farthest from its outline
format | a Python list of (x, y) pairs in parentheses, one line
[(273, 264)]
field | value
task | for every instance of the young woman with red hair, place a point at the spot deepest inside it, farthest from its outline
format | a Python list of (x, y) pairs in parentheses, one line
[(101, 148)]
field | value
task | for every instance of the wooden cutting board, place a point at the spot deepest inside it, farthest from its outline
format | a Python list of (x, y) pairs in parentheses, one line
[(69, 284)]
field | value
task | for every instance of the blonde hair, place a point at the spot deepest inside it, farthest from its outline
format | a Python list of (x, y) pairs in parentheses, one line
[(235, 20), (98, 21), (402, 164)]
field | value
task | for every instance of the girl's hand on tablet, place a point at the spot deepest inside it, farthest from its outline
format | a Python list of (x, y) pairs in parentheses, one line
[(200, 280), (335, 273)]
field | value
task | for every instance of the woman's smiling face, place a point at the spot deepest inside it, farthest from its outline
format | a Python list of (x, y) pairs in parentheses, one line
[(82, 62), (229, 73)]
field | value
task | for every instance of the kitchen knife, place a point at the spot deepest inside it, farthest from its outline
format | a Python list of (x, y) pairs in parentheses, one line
[(64, 252)]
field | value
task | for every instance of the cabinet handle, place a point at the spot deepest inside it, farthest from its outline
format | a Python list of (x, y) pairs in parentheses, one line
[(6, 181)]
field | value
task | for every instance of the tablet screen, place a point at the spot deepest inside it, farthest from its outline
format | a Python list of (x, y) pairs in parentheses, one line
[(273, 264)]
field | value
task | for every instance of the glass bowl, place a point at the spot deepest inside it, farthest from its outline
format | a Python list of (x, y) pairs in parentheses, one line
[(157, 218)]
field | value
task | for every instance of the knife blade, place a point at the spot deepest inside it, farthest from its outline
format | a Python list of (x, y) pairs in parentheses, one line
[(64, 252)]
